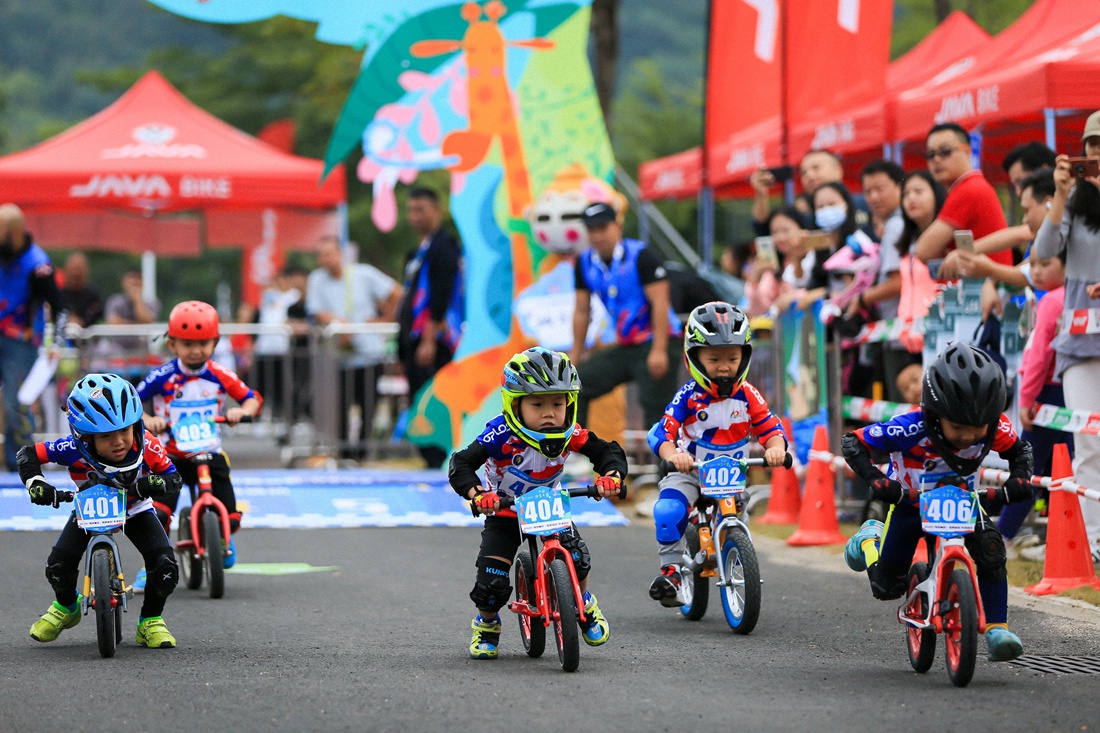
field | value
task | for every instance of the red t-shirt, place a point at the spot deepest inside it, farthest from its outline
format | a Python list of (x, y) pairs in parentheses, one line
[(973, 204)]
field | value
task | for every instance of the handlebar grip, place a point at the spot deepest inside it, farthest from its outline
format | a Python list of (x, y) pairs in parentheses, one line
[(61, 497), (788, 461), (244, 418)]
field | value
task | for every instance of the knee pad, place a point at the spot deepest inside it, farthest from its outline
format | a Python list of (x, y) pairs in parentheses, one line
[(575, 545), (886, 583), (163, 574), (234, 521), (670, 514), (987, 547), (62, 571), (492, 590)]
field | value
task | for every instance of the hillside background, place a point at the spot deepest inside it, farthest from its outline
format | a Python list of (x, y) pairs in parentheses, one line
[(63, 60)]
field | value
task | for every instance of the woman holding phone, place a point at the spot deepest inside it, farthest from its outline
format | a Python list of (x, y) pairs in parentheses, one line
[(1072, 225), (922, 197)]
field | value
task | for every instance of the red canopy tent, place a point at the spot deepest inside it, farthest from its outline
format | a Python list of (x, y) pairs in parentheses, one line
[(1037, 79), (153, 172)]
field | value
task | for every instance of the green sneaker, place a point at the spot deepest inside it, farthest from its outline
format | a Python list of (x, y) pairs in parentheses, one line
[(54, 621), (483, 645), (153, 633), (596, 631)]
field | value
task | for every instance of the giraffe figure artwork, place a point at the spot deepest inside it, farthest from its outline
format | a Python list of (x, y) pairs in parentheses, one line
[(501, 95)]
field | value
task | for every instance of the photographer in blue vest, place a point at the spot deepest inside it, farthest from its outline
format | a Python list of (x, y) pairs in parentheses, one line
[(26, 285), (631, 282)]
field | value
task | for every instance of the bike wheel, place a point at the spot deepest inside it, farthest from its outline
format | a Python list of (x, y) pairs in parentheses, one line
[(531, 630), (741, 597), (960, 630), (190, 564), (215, 553), (920, 642), (102, 597), (696, 588), (563, 606)]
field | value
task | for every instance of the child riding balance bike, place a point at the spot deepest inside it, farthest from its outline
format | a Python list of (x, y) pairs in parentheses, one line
[(710, 417), (191, 389), (959, 421), (523, 450), (108, 440)]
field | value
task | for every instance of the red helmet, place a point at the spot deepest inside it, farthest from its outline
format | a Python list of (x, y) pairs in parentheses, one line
[(193, 320)]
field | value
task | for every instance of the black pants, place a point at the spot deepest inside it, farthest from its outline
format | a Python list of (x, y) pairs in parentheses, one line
[(606, 369), (358, 386), (147, 535), (220, 480), (417, 376)]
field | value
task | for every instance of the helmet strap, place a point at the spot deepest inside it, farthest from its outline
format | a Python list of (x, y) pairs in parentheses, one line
[(725, 386)]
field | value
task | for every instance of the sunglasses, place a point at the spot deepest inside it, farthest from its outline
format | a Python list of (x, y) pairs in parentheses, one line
[(941, 153)]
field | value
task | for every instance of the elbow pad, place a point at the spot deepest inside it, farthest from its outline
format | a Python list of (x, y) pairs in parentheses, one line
[(26, 458), (859, 458), (1020, 460)]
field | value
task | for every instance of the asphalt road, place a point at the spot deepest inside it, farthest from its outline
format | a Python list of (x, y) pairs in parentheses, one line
[(379, 644)]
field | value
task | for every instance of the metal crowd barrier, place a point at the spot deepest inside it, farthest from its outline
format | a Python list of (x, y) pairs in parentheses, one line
[(302, 373)]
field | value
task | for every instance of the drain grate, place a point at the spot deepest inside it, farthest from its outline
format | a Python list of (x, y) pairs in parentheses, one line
[(1060, 665)]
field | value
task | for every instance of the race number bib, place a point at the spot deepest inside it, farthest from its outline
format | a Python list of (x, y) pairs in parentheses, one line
[(708, 451), (544, 511), (948, 511), (100, 507), (193, 426), (722, 477)]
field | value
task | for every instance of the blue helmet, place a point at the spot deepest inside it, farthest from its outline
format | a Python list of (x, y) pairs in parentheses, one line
[(103, 403)]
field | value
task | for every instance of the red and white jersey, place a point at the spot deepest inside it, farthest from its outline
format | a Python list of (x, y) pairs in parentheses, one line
[(178, 392), (706, 426)]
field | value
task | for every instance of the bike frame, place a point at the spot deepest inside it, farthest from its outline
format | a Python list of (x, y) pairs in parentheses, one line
[(542, 559), (716, 520), (105, 540), (950, 552), (203, 499)]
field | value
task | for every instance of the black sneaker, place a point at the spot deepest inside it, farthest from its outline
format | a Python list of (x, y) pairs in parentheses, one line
[(666, 587)]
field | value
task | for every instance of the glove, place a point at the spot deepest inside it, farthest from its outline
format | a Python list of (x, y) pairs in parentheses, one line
[(487, 502), (42, 493), (887, 490), (1017, 489), (609, 485), (150, 487)]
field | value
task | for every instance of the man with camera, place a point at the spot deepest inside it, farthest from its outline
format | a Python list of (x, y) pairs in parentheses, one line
[(971, 202)]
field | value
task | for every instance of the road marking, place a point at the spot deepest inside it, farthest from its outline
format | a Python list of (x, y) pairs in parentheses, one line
[(280, 568)]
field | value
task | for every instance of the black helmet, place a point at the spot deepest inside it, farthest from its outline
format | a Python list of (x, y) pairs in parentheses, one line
[(717, 324), (964, 386)]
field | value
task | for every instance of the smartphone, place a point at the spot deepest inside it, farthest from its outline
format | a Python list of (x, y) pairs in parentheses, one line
[(766, 252), (818, 239), (964, 240), (782, 173), (1084, 167)]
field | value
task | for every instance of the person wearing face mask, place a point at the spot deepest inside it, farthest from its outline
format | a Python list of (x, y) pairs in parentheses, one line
[(26, 285), (1072, 228)]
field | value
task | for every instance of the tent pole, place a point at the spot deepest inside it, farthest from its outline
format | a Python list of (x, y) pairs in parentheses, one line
[(1048, 119), (706, 226), (149, 276), (342, 221)]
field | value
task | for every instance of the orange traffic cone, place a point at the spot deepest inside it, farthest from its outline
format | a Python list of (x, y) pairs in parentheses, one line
[(785, 498), (1068, 561), (817, 522)]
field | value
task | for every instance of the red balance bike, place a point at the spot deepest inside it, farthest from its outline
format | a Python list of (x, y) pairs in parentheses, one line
[(943, 596), (203, 534), (547, 589)]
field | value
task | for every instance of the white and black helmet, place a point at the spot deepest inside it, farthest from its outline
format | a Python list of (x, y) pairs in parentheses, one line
[(964, 386)]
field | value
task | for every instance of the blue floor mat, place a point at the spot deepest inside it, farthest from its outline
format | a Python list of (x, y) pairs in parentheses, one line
[(309, 498)]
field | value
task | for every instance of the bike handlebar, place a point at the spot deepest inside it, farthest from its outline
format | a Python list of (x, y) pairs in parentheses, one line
[(788, 461), (592, 492), (990, 494)]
